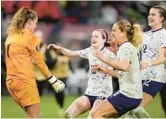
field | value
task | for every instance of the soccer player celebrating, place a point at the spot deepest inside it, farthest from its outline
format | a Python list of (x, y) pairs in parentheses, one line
[(153, 58), (127, 67), (21, 51), (99, 84)]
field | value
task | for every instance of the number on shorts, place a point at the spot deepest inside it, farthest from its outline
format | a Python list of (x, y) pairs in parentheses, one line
[(146, 82)]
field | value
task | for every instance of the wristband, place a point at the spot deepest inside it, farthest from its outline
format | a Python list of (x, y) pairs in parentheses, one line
[(52, 80)]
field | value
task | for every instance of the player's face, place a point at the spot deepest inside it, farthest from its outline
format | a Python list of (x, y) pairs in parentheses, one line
[(96, 39), (116, 33), (33, 24), (154, 18)]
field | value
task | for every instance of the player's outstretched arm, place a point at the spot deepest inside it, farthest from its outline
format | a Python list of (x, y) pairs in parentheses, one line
[(64, 51), (105, 70), (57, 85)]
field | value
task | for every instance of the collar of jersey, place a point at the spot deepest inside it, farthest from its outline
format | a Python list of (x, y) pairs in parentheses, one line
[(123, 43), (101, 48), (156, 30)]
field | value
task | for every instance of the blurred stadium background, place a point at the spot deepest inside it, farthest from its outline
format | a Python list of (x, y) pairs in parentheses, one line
[(71, 22)]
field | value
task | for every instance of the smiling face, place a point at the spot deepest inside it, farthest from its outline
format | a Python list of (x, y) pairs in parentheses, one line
[(117, 34), (97, 40), (154, 18)]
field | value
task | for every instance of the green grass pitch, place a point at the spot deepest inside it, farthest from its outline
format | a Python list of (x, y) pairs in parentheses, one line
[(49, 107)]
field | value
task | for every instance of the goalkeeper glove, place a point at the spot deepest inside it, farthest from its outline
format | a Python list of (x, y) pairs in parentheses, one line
[(57, 85)]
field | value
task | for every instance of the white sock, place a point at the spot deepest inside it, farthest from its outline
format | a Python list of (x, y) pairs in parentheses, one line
[(130, 115), (140, 112), (89, 117), (68, 115)]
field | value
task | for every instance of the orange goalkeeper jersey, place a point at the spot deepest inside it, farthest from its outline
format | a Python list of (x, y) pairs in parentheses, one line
[(21, 52)]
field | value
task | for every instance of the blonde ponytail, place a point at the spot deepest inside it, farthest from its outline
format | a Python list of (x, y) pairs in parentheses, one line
[(133, 32), (137, 36), (19, 20)]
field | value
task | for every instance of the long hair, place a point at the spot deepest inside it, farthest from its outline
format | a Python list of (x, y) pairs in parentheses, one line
[(133, 32), (20, 19)]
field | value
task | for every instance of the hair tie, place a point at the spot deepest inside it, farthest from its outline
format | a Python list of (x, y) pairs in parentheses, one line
[(131, 30)]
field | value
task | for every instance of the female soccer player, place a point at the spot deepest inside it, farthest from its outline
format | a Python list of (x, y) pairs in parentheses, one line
[(127, 67), (21, 48), (99, 84), (153, 58)]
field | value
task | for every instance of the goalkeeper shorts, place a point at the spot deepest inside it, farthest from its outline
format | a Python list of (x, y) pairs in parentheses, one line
[(122, 103), (23, 94)]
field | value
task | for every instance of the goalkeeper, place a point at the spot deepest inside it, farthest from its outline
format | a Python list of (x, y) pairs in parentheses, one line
[(22, 48)]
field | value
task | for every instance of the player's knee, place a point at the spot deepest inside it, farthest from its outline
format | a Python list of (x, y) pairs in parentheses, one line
[(95, 114)]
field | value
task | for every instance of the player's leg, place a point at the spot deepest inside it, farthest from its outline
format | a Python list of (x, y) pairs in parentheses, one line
[(104, 110), (163, 98), (30, 100), (149, 93), (60, 97), (115, 106), (41, 86), (130, 115), (33, 111), (60, 100), (96, 103), (26, 96), (79, 106), (140, 112)]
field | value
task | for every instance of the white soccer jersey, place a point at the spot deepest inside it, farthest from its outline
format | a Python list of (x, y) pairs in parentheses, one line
[(99, 84), (152, 42), (130, 81)]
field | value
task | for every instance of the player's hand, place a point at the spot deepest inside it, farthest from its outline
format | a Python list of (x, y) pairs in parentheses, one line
[(144, 65), (53, 46), (100, 55), (99, 68), (57, 85)]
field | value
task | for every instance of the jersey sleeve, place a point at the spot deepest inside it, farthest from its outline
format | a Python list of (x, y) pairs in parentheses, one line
[(84, 53), (125, 54), (162, 41), (33, 47)]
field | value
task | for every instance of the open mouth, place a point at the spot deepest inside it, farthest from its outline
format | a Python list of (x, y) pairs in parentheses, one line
[(94, 42), (150, 20)]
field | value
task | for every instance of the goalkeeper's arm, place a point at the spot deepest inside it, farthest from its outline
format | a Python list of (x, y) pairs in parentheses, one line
[(56, 84)]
